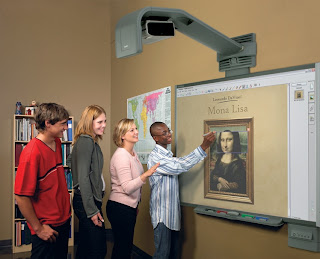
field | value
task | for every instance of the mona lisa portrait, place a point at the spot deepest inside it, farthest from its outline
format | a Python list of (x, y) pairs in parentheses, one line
[(228, 169)]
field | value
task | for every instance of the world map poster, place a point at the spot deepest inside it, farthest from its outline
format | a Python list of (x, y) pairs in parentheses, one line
[(146, 109)]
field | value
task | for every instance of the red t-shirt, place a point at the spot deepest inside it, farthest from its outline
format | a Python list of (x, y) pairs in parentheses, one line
[(40, 176)]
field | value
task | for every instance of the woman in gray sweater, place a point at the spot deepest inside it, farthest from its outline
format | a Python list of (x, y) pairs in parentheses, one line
[(88, 182)]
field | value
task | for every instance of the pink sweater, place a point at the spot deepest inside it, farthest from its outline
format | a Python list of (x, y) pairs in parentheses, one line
[(125, 171)]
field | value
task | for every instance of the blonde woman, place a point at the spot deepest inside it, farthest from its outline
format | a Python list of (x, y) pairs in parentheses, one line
[(127, 178), (88, 182)]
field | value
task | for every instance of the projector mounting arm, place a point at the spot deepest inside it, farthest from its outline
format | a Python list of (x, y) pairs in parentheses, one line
[(235, 55)]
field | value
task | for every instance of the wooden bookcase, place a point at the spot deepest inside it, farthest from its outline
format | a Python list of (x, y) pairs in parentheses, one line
[(23, 131)]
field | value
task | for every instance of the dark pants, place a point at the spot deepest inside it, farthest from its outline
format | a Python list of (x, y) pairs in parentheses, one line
[(45, 250), (92, 239), (123, 220), (166, 242)]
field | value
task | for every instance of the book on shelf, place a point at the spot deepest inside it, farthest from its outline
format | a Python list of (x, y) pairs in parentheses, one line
[(18, 149), (65, 136), (18, 233), (23, 233), (66, 151), (70, 229), (68, 175), (17, 212), (27, 234), (70, 130), (25, 129)]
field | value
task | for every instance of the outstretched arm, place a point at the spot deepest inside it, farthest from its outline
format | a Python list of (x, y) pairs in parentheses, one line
[(175, 165), (148, 173)]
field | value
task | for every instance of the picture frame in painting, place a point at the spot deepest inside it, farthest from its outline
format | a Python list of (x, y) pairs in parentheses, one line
[(229, 166)]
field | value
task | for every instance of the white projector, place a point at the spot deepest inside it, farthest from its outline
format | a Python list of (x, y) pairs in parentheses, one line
[(153, 31)]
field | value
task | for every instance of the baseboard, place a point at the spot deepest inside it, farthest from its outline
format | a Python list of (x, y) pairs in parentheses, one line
[(5, 243), (5, 246)]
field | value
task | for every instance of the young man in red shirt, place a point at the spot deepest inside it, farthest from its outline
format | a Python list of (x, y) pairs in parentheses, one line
[(40, 185)]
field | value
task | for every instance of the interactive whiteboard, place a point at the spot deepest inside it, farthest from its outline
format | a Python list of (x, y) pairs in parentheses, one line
[(264, 160)]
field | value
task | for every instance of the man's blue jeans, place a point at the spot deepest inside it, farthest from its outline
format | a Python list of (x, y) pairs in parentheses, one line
[(166, 242)]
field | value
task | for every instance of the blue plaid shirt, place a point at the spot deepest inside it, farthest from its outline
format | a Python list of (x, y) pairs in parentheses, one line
[(164, 183)]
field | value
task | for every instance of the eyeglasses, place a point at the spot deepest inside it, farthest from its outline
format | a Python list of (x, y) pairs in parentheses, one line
[(165, 133)]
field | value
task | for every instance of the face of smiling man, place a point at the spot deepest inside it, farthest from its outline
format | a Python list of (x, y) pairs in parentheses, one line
[(162, 135)]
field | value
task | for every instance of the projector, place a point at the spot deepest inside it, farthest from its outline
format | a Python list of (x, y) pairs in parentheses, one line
[(153, 31)]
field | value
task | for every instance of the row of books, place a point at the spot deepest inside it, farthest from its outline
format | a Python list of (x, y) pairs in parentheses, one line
[(67, 173), (23, 234), (25, 129), (66, 151)]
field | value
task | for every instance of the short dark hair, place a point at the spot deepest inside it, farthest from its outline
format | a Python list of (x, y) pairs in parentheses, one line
[(51, 112), (154, 125)]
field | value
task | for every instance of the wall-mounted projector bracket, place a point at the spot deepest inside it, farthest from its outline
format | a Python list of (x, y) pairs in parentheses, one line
[(235, 55), (240, 63)]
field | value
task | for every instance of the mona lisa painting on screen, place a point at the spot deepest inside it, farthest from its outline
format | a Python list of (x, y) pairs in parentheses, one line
[(229, 167)]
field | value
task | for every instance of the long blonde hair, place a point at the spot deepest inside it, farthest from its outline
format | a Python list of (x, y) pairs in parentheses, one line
[(84, 126)]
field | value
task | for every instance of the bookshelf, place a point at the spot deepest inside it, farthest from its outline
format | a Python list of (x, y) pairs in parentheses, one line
[(23, 131)]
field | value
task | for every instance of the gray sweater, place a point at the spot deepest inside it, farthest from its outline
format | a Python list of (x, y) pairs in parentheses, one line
[(86, 167)]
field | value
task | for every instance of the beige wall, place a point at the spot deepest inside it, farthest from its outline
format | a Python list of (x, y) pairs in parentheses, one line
[(63, 51), (287, 35), (51, 51)]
